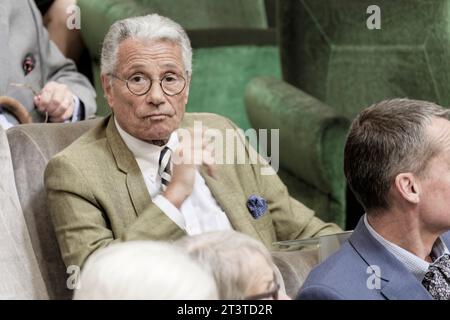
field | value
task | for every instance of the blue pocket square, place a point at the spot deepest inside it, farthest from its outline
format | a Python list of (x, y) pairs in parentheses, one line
[(257, 206)]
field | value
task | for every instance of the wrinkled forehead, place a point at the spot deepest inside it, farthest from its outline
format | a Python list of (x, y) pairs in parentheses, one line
[(138, 53), (438, 132)]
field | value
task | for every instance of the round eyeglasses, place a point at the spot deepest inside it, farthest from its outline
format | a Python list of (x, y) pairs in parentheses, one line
[(139, 84)]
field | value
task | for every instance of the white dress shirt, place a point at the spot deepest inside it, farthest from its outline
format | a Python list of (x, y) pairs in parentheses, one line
[(413, 263), (200, 212)]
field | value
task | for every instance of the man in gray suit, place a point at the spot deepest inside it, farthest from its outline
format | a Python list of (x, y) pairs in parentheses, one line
[(35, 73), (397, 162)]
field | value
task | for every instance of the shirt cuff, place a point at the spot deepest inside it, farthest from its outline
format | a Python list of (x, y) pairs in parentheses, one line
[(170, 210), (78, 110), (4, 123)]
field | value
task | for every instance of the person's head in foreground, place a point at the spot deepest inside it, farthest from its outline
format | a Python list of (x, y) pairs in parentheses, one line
[(242, 266), (144, 270)]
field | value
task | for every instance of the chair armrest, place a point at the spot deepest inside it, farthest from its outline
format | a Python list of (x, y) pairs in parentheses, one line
[(295, 267), (20, 274), (312, 135)]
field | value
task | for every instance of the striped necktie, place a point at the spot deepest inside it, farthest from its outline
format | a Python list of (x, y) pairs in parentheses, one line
[(165, 167)]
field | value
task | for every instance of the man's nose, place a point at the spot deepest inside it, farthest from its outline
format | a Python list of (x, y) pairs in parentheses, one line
[(155, 95)]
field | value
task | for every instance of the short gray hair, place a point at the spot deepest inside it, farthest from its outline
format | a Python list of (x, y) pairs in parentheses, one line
[(227, 254), (144, 270), (149, 27), (384, 140)]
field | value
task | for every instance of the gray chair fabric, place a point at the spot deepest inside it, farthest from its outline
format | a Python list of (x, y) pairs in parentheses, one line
[(19, 272), (31, 148)]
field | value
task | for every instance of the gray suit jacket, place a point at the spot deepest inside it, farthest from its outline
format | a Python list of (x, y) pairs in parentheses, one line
[(344, 274), (22, 33)]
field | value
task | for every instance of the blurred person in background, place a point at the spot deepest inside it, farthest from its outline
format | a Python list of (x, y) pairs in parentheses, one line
[(37, 83), (242, 266)]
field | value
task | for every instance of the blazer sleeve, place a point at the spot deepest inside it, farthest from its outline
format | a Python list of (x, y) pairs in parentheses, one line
[(80, 222), (291, 219), (56, 67), (318, 292)]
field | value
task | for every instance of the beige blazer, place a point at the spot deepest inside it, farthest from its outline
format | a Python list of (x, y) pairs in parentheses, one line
[(97, 196)]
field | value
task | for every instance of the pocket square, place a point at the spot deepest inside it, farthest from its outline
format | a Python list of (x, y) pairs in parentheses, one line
[(257, 206)]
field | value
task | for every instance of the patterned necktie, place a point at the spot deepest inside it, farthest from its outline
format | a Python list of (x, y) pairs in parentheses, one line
[(165, 167), (437, 279)]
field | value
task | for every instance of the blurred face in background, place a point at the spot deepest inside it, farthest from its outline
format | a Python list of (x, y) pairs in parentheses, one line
[(263, 284)]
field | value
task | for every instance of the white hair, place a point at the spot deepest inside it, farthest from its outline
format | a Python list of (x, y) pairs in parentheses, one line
[(144, 270), (228, 255), (149, 27)]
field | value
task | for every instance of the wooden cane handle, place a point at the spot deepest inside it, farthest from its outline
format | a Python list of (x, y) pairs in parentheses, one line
[(16, 109)]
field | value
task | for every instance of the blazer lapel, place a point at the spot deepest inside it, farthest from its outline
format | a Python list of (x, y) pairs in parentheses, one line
[(403, 286), (398, 283), (127, 163), (137, 189), (446, 239)]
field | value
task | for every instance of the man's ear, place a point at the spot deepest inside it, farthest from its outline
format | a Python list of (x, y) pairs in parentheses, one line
[(408, 186), (107, 89)]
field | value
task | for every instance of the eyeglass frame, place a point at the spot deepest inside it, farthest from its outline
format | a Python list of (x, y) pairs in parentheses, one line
[(151, 83), (274, 293), (269, 294)]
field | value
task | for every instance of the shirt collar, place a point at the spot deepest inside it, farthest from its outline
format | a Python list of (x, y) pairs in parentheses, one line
[(413, 263), (143, 150)]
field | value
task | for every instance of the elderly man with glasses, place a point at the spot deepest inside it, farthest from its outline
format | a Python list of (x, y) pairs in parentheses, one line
[(131, 178)]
